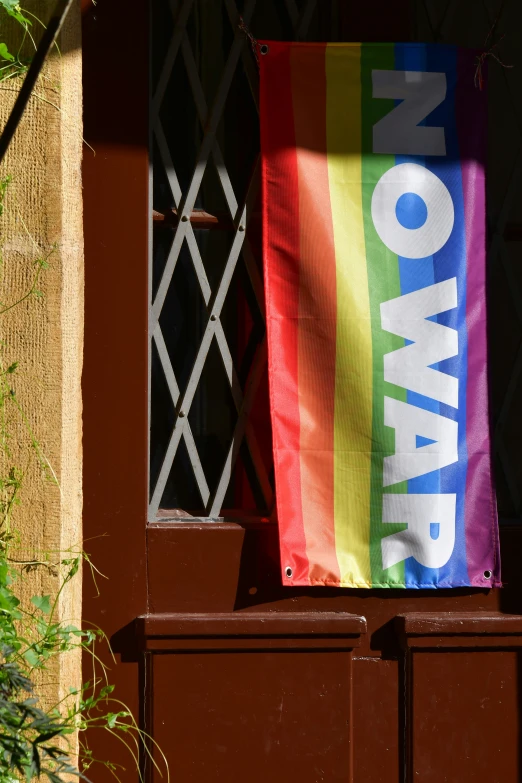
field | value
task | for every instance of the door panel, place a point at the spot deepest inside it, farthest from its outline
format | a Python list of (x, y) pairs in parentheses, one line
[(459, 727), (265, 694), (263, 714)]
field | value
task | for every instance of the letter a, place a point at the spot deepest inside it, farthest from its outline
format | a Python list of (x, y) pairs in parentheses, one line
[(409, 461), (399, 132)]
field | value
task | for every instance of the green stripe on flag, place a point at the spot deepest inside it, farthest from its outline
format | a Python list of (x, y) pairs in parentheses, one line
[(384, 284)]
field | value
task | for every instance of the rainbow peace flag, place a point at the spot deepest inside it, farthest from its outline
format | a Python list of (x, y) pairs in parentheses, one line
[(374, 254)]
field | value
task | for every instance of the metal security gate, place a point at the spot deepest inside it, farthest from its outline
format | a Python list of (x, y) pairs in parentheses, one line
[(232, 674), (184, 219)]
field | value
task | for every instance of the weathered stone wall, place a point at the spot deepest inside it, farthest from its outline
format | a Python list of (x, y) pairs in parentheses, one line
[(45, 335)]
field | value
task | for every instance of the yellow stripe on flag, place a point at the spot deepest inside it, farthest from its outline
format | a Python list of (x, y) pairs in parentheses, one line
[(353, 373)]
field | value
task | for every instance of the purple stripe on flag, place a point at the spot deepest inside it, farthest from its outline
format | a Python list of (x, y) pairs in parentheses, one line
[(482, 546)]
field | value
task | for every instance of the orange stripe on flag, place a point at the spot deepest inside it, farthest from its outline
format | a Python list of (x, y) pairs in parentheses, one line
[(317, 313)]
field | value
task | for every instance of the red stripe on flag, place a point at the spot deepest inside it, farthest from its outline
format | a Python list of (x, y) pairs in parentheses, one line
[(317, 311), (281, 243)]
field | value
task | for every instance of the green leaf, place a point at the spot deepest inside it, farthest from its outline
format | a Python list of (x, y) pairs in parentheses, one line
[(111, 717), (42, 602), (12, 7), (74, 568), (90, 636), (72, 629), (8, 602), (5, 54), (47, 736), (31, 657), (4, 573)]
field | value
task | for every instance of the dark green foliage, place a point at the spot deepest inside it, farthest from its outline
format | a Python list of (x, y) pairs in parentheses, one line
[(12, 7), (27, 732)]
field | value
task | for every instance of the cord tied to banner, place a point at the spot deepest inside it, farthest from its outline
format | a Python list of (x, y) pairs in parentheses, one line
[(491, 52), (253, 42), (479, 78)]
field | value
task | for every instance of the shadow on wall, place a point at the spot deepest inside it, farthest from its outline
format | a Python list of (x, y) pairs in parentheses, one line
[(101, 24)]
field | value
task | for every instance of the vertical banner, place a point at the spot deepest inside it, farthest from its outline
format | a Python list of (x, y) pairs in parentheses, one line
[(374, 253)]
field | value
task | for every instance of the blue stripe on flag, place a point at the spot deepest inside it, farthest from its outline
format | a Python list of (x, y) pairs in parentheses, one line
[(450, 261)]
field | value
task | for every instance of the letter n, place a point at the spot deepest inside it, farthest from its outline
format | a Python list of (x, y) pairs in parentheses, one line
[(399, 132)]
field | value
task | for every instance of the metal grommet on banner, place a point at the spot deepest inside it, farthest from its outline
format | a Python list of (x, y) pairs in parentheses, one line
[(288, 572), (487, 574), (264, 49)]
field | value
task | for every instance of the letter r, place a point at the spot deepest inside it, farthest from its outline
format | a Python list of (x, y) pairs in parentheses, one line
[(418, 512)]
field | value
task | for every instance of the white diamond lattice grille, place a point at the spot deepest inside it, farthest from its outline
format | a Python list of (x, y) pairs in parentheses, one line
[(239, 212)]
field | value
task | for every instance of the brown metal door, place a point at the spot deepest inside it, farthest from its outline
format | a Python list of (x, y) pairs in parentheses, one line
[(234, 675)]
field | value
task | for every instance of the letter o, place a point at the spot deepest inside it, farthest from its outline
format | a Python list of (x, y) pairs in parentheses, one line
[(430, 237)]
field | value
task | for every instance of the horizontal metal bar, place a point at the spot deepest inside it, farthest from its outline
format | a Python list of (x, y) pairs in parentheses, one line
[(198, 218), (180, 515), (221, 221), (236, 516)]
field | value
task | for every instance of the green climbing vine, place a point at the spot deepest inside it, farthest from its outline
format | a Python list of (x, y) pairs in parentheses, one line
[(35, 735), (12, 64)]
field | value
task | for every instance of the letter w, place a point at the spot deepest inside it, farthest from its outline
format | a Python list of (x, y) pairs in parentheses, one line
[(399, 132), (409, 367)]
